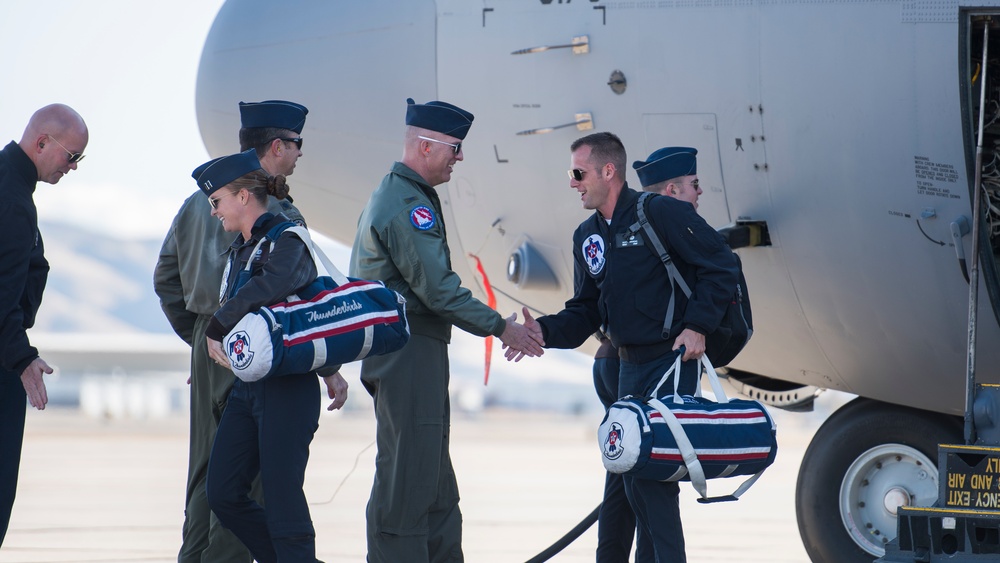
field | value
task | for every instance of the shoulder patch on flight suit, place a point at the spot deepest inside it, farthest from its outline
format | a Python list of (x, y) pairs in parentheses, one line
[(593, 253), (422, 217)]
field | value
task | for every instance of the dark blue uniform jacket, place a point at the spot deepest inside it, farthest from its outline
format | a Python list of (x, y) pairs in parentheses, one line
[(274, 274), (23, 268), (621, 284)]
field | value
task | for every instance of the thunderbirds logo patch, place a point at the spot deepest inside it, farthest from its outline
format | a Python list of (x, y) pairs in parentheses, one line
[(612, 444), (593, 253), (422, 217), (238, 350)]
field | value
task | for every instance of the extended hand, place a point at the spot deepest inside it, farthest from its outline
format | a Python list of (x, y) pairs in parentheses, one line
[(336, 389), (693, 343), (533, 327), (31, 378), (216, 352), (522, 340)]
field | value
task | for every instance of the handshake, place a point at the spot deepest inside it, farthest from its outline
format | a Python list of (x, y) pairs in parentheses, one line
[(522, 339)]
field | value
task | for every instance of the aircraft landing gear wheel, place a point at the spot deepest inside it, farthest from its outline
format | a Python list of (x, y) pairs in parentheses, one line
[(868, 459)]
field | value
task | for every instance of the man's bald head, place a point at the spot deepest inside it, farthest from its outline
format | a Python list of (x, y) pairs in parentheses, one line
[(54, 133)]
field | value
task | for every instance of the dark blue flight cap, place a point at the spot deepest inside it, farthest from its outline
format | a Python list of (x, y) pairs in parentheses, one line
[(218, 172), (666, 164), (273, 113), (439, 116)]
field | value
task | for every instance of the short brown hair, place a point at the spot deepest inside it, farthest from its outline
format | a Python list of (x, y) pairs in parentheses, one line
[(604, 148), (259, 138)]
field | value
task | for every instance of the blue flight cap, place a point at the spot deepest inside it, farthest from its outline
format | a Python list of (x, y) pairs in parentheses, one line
[(218, 172), (439, 116), (666, 164), (273, 113)]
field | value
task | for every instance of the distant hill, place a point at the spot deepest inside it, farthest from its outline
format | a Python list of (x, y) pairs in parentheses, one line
[(98, 283), (103, 285)]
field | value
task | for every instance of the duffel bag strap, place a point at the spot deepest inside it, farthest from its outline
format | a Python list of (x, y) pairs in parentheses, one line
[(684, 446), (319, 257), (736, 494), (691, 459), (322, 262), (720, 397), (366, 347)]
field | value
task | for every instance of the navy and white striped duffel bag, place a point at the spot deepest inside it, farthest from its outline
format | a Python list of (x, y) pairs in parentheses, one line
[(332, 321), (684, 438)]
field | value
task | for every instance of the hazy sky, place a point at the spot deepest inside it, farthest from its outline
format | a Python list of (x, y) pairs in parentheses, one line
[(128, 67)]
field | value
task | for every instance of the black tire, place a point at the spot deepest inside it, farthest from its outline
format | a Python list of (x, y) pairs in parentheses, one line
[(861, 432)]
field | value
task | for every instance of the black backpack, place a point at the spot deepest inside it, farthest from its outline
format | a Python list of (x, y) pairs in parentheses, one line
[(736, 327)]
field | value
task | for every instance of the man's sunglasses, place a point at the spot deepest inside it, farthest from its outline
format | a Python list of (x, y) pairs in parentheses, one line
[(457, 147), (576, 174), (73, 156), (296, 140)]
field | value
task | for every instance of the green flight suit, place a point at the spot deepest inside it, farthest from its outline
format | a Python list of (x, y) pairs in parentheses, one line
[(187, 279), (413, 512)]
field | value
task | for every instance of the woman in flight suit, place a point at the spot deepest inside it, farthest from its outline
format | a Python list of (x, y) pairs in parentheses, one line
[(268, 424)]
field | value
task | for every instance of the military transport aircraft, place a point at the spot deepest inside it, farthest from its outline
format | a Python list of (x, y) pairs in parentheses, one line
[(844, 131)]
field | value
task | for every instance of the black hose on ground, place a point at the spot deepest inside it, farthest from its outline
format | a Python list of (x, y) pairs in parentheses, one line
[(570, 536)]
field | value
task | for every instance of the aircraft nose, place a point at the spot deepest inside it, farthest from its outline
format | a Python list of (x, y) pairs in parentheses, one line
[(356, 103)]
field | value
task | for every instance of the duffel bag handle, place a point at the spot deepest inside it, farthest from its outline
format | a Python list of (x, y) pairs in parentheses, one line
[(709, 369), (713, 380), (676, 368)]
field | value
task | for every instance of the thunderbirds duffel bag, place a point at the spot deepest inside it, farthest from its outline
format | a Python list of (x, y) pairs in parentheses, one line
[(685, 438), (332, 321)]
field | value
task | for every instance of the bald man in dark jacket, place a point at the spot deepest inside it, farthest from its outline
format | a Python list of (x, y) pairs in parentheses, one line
[(51, 146)]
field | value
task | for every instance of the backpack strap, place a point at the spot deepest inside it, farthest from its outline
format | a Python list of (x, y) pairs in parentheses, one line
[(658, 248), (270, 236)]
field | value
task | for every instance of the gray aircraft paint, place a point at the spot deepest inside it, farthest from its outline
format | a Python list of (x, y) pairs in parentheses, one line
[(842, 125)]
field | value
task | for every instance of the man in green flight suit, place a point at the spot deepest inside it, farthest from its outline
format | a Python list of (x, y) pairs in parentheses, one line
[(187, 279), (413, 512)]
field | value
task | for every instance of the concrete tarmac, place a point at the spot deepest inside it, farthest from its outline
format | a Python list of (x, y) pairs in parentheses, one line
[(94, 490)]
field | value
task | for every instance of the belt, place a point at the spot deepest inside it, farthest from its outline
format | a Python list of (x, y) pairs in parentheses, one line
[(645, 353), (606, 350)]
